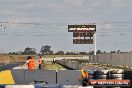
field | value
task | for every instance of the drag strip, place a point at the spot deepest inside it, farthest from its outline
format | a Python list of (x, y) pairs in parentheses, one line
[(10, 65)]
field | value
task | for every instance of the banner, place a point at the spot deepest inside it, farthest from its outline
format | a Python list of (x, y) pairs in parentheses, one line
[(110, 82), (82, 28)]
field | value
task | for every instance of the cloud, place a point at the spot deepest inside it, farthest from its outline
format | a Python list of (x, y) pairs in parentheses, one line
[(43, 5), (104, 35), (14, 22), (76, 11), (118, 3), (54, 7), (122, 34), (18, 35), (107, 26), (95, 3), (29, 5), (104, 26), (74, 2)]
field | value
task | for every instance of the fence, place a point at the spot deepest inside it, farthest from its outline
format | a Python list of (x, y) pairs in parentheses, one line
[(118, 59)]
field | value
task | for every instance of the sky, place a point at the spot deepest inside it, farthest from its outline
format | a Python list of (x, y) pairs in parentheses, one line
[(35, 23)]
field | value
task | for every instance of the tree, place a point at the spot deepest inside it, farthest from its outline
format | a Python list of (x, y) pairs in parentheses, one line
[(118, 51), (46, 50), (91, 53), (83, 53), (29, 51), (99, 52), (113, 52), (13, 53), (60, 52), (104, 52), (71, 53)]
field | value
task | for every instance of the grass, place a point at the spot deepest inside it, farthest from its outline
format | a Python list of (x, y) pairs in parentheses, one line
[(50, 66), (53, 56)]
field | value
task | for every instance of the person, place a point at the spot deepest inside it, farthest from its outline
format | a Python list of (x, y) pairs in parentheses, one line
[(30, 63), (40, 62), (53, 62), (43, 62), (85, 77)]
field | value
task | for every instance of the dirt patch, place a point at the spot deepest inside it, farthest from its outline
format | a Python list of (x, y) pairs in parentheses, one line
[(51, 66), (6, 58)]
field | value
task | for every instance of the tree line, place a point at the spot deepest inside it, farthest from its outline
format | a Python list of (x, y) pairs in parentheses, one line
[(46, 50)]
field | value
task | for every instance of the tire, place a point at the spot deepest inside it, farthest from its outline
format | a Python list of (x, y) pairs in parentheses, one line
[(116, 76)]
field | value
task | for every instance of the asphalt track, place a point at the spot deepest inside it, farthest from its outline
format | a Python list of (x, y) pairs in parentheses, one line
[(4, 66)]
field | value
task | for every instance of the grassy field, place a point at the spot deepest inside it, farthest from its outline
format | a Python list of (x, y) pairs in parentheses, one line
[(50, 66), (5, 58), (53, 56)]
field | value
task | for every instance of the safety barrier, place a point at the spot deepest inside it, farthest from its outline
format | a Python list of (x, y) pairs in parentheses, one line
[(48, 76), (6, 77), (116, 59), (69, 64), (70, 77)]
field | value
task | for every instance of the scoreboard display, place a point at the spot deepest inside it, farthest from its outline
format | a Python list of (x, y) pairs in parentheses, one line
[(81, 28), (82, 41), (82, 34)]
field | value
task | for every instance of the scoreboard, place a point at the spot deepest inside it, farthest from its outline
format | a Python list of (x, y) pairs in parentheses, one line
[(82, 34)]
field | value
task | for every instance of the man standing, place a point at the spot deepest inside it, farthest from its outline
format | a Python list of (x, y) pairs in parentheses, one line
[(30, 63), (40, 62), (85, 77)]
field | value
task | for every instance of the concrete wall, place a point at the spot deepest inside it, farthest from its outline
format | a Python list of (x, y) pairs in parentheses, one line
[(27, 76), (66, 77), (70, 64), (118, 59)]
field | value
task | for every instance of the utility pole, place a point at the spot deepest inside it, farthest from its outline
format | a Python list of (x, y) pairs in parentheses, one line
[(95, 43)]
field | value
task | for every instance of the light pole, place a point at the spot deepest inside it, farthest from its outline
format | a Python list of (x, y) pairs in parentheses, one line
[(94, 43)]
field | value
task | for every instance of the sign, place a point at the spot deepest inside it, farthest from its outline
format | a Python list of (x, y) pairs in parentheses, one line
[(82, 34), (82, 28), (82, 41), (110, 82)]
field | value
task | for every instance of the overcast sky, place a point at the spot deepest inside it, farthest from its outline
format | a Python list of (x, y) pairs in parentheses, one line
[(34, 23)]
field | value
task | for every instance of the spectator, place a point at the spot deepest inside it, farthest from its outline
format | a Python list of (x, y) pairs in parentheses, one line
[(40, 62), (30, 63), (85, 77)]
